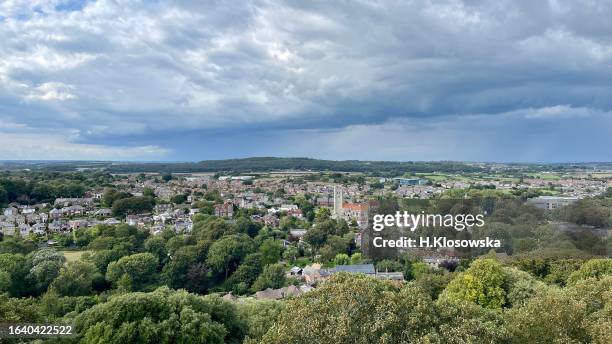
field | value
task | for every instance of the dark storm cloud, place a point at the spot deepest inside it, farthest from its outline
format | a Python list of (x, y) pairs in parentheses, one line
[(152, 77)]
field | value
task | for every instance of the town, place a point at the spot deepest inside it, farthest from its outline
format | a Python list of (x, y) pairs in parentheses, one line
[(286, 208), (270, 198)]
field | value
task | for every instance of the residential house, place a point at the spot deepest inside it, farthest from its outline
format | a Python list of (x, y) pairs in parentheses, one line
[(367, 269), (28, 210), (390, 276), (103, 212), (288, 207), (24, 229), (11, 211), (74, 210), (39, 229), (183, 226), (55, 213), (224, 210), (78, 224), (297, 234), (131, 220), (162, 208), (551, 202), (112, 221), (271, 220), (59, 226), (20, 219), (325, 201), (435, 261), (66, 202), (8, 228), (295, 213)]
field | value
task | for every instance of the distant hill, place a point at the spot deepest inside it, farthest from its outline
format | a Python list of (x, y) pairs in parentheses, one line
[(267, 164)]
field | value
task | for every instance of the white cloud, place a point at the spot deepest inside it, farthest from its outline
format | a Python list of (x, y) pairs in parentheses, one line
[(52, 91), (29, 146), (562, 111)]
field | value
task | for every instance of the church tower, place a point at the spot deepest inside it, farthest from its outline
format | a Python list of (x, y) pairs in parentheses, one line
[(338, 201)]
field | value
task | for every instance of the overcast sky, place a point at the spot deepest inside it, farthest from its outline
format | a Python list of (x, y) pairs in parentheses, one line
[(474, 80)]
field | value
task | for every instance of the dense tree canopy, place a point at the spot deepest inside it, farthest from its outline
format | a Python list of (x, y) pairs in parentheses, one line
[(226, 254), (162, 316), (77, 278), (31, 191), (132, 205), (139, 268), (482, 284)]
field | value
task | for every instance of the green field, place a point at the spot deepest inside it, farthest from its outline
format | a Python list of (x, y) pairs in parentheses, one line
[(433, 177), (544, 176), (72, 256)]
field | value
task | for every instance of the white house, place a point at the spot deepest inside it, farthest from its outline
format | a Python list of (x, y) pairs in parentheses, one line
[(11, 211), (24, 229)]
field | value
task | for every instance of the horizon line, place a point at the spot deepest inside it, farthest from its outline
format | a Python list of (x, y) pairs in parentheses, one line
[(294, 157)]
